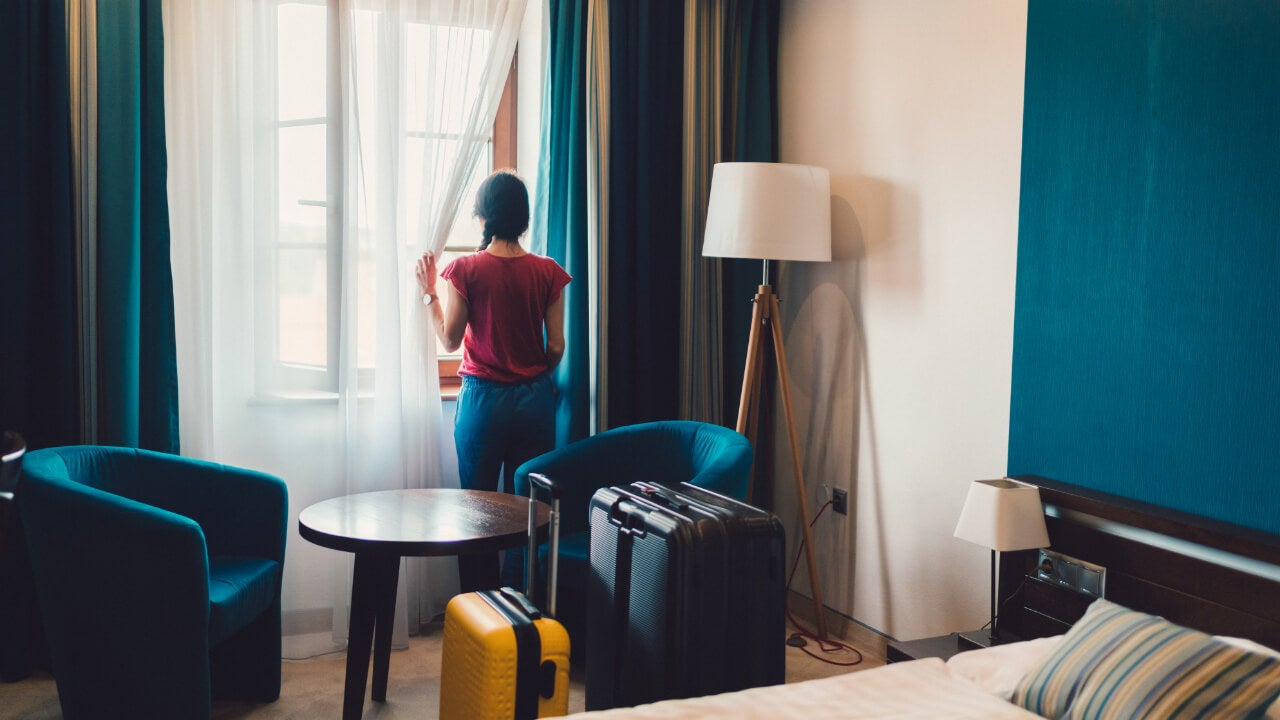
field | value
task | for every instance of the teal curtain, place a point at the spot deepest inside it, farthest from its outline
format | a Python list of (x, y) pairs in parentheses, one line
[(137, 366), (38, 379), (38, 376), (647, 78), (40, 360), (751, 69), (560, 213), (646, 75), (750, 135)]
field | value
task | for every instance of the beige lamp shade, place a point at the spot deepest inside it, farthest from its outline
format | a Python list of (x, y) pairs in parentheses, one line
[(769, 211), (1003, 515)]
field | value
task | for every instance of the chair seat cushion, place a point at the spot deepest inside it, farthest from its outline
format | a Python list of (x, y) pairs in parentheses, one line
[(571, 596), (576, 546), (575, 559), (240, 588)]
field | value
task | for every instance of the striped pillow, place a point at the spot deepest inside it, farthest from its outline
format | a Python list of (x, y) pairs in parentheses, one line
[(1117, 663)]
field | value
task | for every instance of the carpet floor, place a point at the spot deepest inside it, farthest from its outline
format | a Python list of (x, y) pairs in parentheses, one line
[(313, 688)]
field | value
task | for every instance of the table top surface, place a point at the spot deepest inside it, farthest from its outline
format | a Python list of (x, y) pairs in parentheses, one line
[(437, 521)]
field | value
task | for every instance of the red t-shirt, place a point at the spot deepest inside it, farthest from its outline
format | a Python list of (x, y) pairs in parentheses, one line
[(507, 299)]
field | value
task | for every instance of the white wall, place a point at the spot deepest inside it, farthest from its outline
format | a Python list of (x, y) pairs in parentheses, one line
[(900, 349)]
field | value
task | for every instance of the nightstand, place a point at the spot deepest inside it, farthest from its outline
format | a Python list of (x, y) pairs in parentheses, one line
[(942, 646)]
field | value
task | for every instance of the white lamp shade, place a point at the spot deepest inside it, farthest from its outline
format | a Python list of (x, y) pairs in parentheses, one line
[(1003, 515), (769, 211)]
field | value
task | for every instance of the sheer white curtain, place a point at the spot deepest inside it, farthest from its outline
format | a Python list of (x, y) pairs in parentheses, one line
[(315, 151)]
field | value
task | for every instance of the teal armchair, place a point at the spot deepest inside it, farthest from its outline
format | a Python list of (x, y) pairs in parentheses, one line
[(671, 451), (158, 579)]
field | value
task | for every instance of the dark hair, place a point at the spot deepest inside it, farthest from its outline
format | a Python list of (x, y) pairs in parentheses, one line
[(503, 203)]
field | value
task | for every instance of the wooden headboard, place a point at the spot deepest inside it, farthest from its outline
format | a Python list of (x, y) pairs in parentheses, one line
[(1220, 578)]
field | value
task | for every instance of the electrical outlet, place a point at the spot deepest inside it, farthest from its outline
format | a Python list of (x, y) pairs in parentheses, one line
[(1083, 577), (840, 501)]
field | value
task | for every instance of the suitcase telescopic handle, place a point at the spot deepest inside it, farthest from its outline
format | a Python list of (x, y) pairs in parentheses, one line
[(537, 480)]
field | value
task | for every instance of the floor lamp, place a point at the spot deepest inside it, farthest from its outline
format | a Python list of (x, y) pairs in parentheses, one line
[(771, 211)]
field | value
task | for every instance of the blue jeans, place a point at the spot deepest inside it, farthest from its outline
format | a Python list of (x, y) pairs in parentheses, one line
[(498, 426)]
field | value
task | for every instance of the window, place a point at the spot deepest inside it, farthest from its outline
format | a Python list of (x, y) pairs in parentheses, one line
[(302, 249)]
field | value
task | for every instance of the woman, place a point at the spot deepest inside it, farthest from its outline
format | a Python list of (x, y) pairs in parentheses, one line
[(497, 305)]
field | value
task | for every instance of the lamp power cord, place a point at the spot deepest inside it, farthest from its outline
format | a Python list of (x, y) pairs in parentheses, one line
[(801, 634)]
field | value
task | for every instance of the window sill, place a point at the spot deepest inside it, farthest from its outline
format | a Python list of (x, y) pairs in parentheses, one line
[(450, 386), (293, 397), (448, 393)]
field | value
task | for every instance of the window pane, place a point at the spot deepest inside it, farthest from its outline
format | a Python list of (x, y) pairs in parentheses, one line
[(305, 227), (301, 283), (302, 170), (465, 230), (300, 57), (366, 312), (430, 107), (430, 88)]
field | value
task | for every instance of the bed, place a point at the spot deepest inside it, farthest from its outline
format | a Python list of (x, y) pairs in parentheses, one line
[(1187, 597)]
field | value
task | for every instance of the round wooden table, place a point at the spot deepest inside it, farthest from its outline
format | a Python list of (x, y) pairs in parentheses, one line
[(380, 528)]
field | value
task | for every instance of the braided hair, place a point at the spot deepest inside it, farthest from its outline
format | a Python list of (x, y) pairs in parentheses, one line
[(502, 201)]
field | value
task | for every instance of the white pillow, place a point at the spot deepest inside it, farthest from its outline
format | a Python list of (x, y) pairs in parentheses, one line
[(998, 669)]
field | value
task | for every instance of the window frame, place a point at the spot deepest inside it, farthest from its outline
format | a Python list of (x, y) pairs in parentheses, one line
[(282, 378)]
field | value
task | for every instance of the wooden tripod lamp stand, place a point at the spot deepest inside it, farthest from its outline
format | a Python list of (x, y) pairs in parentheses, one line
[(772, 211)]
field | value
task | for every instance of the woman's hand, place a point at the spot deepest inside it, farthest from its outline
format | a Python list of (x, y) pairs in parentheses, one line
[(426, 274), (449, 317)]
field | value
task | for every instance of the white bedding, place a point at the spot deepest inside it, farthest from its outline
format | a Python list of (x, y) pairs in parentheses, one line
[(925, 688), (974, 684)]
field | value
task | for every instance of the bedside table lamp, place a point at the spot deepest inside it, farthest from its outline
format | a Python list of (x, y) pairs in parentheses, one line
[(1002, 515)]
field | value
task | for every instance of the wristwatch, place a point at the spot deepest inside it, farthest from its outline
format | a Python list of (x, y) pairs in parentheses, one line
[(428, 298)]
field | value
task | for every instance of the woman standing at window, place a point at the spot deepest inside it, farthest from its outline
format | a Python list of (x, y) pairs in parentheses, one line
[(498, 305)]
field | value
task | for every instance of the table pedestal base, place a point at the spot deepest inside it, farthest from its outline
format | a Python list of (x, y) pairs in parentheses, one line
[(373, 607)]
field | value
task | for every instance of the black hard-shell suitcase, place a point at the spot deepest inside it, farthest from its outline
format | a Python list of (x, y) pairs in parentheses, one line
[(686, 595)]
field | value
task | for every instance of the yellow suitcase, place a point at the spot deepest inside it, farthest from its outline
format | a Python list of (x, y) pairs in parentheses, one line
[(502, 657)]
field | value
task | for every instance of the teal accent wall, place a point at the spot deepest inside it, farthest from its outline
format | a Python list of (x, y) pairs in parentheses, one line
[(1146, 356)]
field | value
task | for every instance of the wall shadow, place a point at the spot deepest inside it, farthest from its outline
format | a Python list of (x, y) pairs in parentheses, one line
[(823, 316)]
